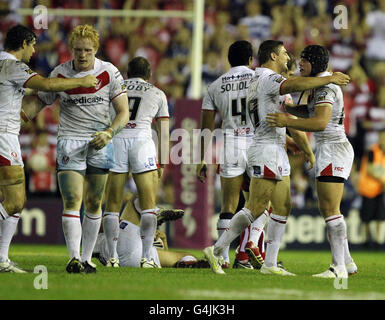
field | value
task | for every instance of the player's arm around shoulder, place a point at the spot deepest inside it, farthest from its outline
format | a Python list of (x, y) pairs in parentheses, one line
[(60, 84), (296, 84)]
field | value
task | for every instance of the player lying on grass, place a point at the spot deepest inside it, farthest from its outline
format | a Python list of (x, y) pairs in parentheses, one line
[(129, 246)]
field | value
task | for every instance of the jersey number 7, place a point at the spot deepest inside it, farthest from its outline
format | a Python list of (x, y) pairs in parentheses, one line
[(134, 103)]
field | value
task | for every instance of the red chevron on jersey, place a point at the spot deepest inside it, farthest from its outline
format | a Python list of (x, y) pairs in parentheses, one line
[(103, 80)]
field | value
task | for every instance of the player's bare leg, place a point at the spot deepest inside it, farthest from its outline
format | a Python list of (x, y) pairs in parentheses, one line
[(147, 185), (230, 188), (13, 197), (94, 188), (329, 200), (71, 184), (114, 200)]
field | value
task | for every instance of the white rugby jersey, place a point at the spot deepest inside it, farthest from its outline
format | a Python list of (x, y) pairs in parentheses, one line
[(263, 98), (13, 76), (146, 103), (227, 94), (84, 111), (330, 94)]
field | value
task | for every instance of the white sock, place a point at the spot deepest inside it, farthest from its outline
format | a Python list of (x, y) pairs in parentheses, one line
[(275, 231), (90, 229), (347, 257), (148, 224), (111, 231), (257, 227), (3, 214), (8, 228), (223, 226), (336, 229), (72, 230), (240, 221)]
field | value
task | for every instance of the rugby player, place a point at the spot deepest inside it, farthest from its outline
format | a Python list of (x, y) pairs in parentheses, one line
[(227, 95), (129, 244), (136, 152), (267, 158), (85, 152), (15, 78), (324, 115), (254, 235)]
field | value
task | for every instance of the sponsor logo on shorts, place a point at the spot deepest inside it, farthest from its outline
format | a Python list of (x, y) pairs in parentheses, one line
[(339, 169), (280, 170), (123, 225), (65, 159), (151, 162), (257, 170), (14, 154)]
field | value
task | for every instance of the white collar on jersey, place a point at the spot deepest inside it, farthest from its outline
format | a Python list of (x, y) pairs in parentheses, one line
[(6, 55), (97, 63), (137, 79)]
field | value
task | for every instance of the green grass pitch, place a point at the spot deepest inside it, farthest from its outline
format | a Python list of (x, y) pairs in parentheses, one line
[(190, 284)]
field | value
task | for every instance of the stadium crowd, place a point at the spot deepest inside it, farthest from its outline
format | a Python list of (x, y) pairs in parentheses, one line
[(356, 50)]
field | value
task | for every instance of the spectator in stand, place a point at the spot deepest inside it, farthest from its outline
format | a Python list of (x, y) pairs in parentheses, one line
[(52, 48), (257, 23), (41, 165), (358, 97), (371, 188), (375, 46)]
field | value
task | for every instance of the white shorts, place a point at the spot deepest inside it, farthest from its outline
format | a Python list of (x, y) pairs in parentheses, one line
[(233, 161), (334, 160), (129, 247), (268, 161), (10, 153), (135, 154), (78, 154)]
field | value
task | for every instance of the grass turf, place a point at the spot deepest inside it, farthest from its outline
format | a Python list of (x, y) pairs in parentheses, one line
[(190, 284)]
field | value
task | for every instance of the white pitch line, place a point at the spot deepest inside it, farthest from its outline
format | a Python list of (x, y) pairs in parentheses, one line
[(274, 294)]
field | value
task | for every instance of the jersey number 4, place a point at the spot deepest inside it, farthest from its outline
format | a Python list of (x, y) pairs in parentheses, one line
[(235, 112), (134, 103)]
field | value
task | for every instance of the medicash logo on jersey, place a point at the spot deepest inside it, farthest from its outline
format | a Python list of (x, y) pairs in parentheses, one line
[(84, 100)]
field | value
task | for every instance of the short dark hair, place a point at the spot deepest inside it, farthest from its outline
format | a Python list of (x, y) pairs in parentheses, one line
[(139, 67), (15, 37), (240, 53), (266, 48)]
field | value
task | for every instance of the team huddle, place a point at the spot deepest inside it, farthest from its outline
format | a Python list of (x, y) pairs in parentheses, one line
[(105, 134)]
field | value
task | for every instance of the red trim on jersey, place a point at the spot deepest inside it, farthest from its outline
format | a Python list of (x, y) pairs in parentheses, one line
[(118, 95), (281, 86), (165, 117), (267, 173), (104, 78), (4, 161), (328, 171), (29, 79)]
